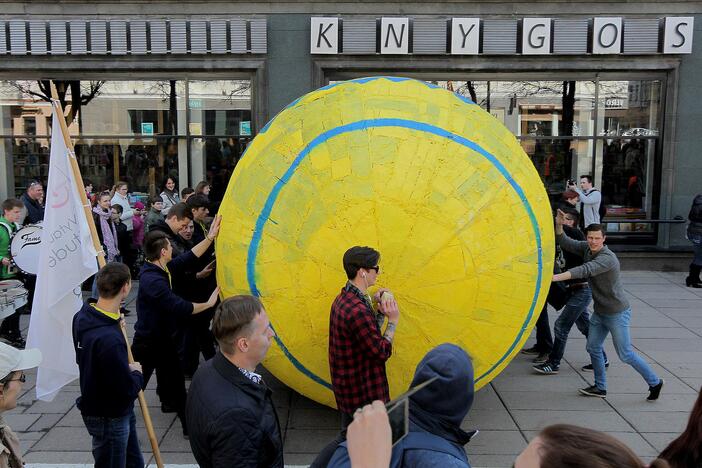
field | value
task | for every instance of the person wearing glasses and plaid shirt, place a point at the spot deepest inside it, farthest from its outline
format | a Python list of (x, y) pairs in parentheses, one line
[(358, 348)]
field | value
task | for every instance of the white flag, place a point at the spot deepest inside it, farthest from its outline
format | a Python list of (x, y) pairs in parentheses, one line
[(66, 259)]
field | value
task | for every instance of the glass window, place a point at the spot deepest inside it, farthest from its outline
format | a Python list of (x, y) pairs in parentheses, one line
[(221, 108), (629, 108)]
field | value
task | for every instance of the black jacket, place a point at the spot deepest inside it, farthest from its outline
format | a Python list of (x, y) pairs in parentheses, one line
[(158, 308), (695, 217), (107, 387), (35, 211), (232, 421)]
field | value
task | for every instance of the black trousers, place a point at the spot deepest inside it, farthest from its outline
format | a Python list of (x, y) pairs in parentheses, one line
[(197, 338), (161, 355), (544, 339)]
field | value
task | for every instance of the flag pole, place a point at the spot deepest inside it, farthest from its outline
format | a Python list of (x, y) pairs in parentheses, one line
[(101, 258)]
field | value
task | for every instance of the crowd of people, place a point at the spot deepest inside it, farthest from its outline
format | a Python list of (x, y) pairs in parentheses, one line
[(228, 412)]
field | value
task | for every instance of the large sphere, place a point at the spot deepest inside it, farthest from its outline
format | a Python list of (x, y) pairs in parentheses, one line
[(436, 184)]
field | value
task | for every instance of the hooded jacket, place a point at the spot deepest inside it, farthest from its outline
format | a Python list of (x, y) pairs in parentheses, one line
[(107, 387), (35, 210), (435, 437), (694, 229)]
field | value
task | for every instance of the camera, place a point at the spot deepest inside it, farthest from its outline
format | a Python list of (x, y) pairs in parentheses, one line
[(570, 182)]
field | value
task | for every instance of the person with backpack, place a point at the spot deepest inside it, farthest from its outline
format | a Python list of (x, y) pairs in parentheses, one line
[(435, 437), (592, 207)]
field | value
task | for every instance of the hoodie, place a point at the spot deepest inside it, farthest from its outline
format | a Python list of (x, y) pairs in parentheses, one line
[(107, 387), (441, 407), (435, 438)]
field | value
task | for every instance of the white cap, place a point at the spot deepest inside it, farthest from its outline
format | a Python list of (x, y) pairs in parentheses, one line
[(13, 359)]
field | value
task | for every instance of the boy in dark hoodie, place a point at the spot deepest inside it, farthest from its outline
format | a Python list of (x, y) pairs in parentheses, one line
[(435, 437), (108, 383)]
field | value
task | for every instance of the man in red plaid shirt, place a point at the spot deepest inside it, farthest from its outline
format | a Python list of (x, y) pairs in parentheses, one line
[(358, 348)]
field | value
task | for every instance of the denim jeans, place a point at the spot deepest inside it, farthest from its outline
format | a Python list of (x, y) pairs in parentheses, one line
[(544, 341), (115, 442), (618, 326), (574, 312)]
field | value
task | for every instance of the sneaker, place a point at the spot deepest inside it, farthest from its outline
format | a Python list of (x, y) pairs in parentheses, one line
[(541, 358), (589, 368), (546, 368), (531, 351), (592, 390), (654, 391)]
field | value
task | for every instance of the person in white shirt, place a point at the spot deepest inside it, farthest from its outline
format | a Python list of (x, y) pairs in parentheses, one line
[(590, 200), (120, 198)]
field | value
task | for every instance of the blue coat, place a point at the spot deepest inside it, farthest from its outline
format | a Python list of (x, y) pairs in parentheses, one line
[(107, 387)]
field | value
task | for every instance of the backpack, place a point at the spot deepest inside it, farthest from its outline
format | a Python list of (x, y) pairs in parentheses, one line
[(602, 211)]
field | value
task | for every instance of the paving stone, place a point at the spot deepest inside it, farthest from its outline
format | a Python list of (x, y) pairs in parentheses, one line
[(65, 439), (71, 419), (489, 442), (310, 418), (667, 402), (494, 419), (59, 457), (535, 383), (45, 422), (486, 398), (666, 421), (660, 333), (172, 442), (158, 419), (660, 440), (530, 420), (308, 440), (20, 422), (61, 404), (549, 400), (637, 385)]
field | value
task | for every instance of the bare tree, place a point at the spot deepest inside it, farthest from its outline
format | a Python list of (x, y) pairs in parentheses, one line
[(81, 93)]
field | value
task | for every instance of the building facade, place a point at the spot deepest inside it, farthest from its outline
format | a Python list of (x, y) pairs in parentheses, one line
[(156, 89)]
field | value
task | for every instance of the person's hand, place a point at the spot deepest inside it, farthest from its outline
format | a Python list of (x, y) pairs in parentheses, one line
[(214, 227), (135, 366), (369, 437), (560, 217), (390, 309), (6, 261), (379, 294), (213, 297), (207, 271)]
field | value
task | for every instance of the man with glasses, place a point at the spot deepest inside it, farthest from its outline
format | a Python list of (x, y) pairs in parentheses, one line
[(358, 348), (575, 310), (33, 200)]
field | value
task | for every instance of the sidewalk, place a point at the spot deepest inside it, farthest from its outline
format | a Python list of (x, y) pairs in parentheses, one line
[(666, 330)]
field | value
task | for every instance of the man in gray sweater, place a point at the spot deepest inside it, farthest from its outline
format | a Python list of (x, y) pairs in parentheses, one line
[(612, 311)]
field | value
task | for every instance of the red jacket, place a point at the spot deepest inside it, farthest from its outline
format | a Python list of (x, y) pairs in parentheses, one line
[(357, 352)]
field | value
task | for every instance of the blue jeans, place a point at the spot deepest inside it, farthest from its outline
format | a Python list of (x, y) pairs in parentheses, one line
[(697, 249), (115, 442), (618, 326), (574, 312)]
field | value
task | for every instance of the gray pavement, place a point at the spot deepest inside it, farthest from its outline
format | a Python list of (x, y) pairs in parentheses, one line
[(666, 329)]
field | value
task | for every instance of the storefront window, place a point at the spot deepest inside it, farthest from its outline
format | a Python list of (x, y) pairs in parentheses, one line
[(136, 131)]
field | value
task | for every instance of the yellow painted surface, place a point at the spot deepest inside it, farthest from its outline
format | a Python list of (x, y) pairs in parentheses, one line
[(436, 184)]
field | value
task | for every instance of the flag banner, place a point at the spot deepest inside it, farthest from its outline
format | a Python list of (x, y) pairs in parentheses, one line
[(66, 259)]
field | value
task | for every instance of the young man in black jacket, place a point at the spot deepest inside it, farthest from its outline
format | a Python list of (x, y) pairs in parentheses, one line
[(108, 383), (231, 416), (160, 311)]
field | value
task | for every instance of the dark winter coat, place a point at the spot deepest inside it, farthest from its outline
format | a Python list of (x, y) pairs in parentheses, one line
[(232, 420)]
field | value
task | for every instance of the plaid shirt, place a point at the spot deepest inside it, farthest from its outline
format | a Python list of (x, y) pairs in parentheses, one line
[(357, 351)]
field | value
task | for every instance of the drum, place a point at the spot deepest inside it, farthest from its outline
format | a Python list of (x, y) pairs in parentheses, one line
[(12, 297), (24, 248)]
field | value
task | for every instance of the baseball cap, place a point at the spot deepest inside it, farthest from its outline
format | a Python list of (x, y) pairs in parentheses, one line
[(13, 359)]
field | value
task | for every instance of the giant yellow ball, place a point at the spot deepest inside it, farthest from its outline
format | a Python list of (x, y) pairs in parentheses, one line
[(436, 184)]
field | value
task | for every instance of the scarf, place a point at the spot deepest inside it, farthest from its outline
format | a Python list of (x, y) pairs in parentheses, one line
[(109, 233)]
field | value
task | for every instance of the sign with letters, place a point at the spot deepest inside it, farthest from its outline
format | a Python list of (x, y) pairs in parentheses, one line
[(536, 36), (466, 36)]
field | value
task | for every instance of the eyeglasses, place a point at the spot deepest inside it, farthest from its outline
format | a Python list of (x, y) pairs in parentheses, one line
[(376, 268), (22, 378)]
